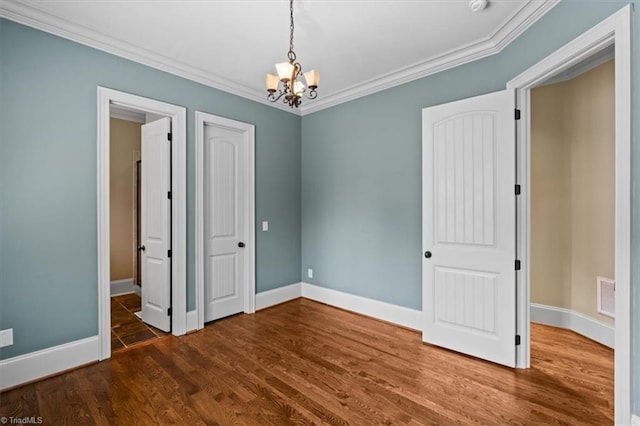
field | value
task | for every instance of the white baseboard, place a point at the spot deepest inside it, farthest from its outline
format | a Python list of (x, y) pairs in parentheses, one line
[(124, 286), (406, 317), (36, 365), (635, 420), (192, 320), (278, 295), (575, 321)]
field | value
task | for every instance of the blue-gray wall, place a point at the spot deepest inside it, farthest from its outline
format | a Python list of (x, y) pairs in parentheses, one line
[(48, 247), (361, 168)]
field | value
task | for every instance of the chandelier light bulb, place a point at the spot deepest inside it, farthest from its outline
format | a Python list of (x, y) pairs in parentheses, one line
[(298, 88)]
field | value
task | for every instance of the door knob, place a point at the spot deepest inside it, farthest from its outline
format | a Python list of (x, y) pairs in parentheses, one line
[(427, 254), (240, 244), (141, 248)]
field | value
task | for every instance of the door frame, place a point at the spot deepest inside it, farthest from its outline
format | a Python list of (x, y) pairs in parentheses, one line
[(205, 119), (615, 30), (178, 115)]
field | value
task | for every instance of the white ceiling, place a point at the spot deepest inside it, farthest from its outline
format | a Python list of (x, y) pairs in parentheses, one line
[(358, 46)]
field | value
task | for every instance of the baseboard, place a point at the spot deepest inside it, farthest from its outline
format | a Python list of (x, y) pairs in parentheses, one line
[(635, 420), (37, 365), (550, 315), (593, 329), (278, 295), (406, 317), (575, 321), (192, 321), (124, 286)]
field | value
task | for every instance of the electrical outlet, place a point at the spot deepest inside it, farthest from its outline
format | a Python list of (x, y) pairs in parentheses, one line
[(265, 225), (310, 273), (6, 337)]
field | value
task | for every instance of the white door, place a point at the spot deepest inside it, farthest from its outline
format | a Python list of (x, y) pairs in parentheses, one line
[(469, 228), (225, 227), (156, 224)]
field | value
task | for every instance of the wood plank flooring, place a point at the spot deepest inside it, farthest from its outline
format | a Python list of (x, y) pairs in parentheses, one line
[(303, 362)]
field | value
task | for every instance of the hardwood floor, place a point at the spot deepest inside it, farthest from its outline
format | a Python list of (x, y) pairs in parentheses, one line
[(303, 362), (126, 328)]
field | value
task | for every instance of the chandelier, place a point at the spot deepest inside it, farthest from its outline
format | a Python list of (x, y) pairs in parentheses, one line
[(292, 87)]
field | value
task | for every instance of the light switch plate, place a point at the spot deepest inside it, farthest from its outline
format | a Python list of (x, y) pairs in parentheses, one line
[(265, 225), (6, 337)]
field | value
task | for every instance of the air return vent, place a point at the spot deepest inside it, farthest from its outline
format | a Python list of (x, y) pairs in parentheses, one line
[(606, 296)]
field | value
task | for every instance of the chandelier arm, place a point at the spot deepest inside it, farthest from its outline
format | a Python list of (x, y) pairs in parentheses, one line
[(311, 94), (297, 69), (272, 96)]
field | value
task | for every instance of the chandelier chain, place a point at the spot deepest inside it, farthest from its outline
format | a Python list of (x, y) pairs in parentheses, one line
[(291, 53)]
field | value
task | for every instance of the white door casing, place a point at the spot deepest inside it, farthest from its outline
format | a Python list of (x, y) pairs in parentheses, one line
[(615, 29), (469, 280), (156, 223), (105, 98), (225, 272)]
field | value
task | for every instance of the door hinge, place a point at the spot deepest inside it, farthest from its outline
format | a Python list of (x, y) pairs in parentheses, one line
[(169, 312), (169, 136), (517, 340), (169, 253), (517, 265), (517, 114), (518, 189), (169, 195)]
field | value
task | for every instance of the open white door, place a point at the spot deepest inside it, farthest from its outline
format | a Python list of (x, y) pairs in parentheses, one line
[(469, 228), (156, 224), (225, 225)]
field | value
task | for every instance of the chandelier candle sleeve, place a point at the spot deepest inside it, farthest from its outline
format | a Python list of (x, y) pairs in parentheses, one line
[(287, 83)]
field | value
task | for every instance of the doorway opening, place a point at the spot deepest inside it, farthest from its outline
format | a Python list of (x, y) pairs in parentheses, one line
[(129, 326), (614, 31), (162, 218), (572, 223), (572, 198)]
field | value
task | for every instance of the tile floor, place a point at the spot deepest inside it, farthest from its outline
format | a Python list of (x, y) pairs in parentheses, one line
[(126, 328)]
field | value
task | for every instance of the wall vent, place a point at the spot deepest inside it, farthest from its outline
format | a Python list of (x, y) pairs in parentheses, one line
[(606, 291)]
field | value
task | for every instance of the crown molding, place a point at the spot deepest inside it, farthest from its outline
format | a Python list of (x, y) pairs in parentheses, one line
[(404, 75), (509, 31), (518, 23), (33, 17)]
